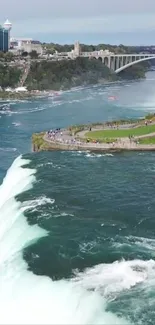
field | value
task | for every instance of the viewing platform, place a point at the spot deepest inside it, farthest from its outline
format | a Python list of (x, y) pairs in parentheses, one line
[(109, 136)]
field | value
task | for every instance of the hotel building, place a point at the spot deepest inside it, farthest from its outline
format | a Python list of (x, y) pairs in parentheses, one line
[(4, 39)]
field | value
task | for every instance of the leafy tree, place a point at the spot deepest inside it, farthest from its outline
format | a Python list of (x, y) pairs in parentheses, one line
[(50, 51), (89, 48), (9, 76), (137, 71), (2, 55), (33, 54), (67, 73), (24, 54), (9, 56)]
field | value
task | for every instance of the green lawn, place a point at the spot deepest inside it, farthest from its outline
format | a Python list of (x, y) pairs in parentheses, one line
[(121, 133), (148, 140)]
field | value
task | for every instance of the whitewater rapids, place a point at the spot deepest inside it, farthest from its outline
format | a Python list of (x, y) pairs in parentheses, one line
[(26, 298)]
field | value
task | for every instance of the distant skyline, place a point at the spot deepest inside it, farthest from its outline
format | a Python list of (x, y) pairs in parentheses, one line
[(89, 21)]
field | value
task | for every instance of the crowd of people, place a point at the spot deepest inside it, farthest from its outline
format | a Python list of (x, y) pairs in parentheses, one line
[(54, 134), (62, 137), (57, 135), (65, 137)]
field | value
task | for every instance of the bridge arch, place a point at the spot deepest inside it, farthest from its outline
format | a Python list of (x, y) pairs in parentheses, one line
[(106, 61), (132, 63)]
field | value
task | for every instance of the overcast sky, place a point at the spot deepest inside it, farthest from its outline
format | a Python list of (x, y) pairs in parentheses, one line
[(69, 19)]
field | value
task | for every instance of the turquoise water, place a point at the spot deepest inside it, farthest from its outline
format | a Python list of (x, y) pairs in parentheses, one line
[(97, 211)]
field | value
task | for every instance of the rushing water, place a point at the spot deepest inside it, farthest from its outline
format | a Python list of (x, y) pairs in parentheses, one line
[(79, 246)]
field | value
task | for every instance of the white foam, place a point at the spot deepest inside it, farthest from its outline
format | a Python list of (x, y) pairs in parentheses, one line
[(16, 123), (95, 155), (116, 277), (33, 204), (49, 164), (29, 299), (89, 154), (12, 222), (8, 149)]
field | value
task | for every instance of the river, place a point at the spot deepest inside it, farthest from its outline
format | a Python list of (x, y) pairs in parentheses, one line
[(78, 247)]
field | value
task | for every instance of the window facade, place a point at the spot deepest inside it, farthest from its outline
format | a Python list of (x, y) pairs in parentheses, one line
[(4, 40), (1, 39)]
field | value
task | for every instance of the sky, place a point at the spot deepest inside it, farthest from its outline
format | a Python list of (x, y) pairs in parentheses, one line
[(129, 22)]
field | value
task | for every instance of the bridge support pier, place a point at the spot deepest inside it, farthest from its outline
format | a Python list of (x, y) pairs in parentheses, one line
[(109, 62), (112, 63), (106, 61), (117, 62)]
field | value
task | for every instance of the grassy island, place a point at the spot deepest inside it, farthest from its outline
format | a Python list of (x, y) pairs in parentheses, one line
[(113, 136), (121, 133)]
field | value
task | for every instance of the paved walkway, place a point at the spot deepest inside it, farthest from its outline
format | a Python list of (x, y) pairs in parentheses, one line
[(63, 140)]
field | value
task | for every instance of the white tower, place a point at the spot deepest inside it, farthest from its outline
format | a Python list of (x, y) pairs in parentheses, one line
[(7, 25)]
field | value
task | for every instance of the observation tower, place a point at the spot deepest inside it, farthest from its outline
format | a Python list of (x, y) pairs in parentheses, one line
[(7, 25)]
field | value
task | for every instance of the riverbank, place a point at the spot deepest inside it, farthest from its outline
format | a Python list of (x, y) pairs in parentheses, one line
[(6, 95), (136, 135), (44, 76), (26, 94)]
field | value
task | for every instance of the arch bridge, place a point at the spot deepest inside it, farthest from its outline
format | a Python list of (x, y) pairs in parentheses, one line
[(120, 62)]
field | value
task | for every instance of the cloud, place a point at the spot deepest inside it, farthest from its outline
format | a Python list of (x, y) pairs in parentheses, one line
[(71, 16), (18, 10), (105, 24)]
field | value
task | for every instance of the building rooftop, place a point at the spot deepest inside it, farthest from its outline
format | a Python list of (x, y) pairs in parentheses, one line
[(7, 22), (20, 39), (35, 42)]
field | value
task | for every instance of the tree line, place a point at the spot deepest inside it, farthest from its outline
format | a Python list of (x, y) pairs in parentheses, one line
[(9, 76), (117, 49), (67, 73), (64, 74)]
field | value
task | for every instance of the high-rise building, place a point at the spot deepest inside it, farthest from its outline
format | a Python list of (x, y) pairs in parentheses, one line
[(4, 39), (8, 26)]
